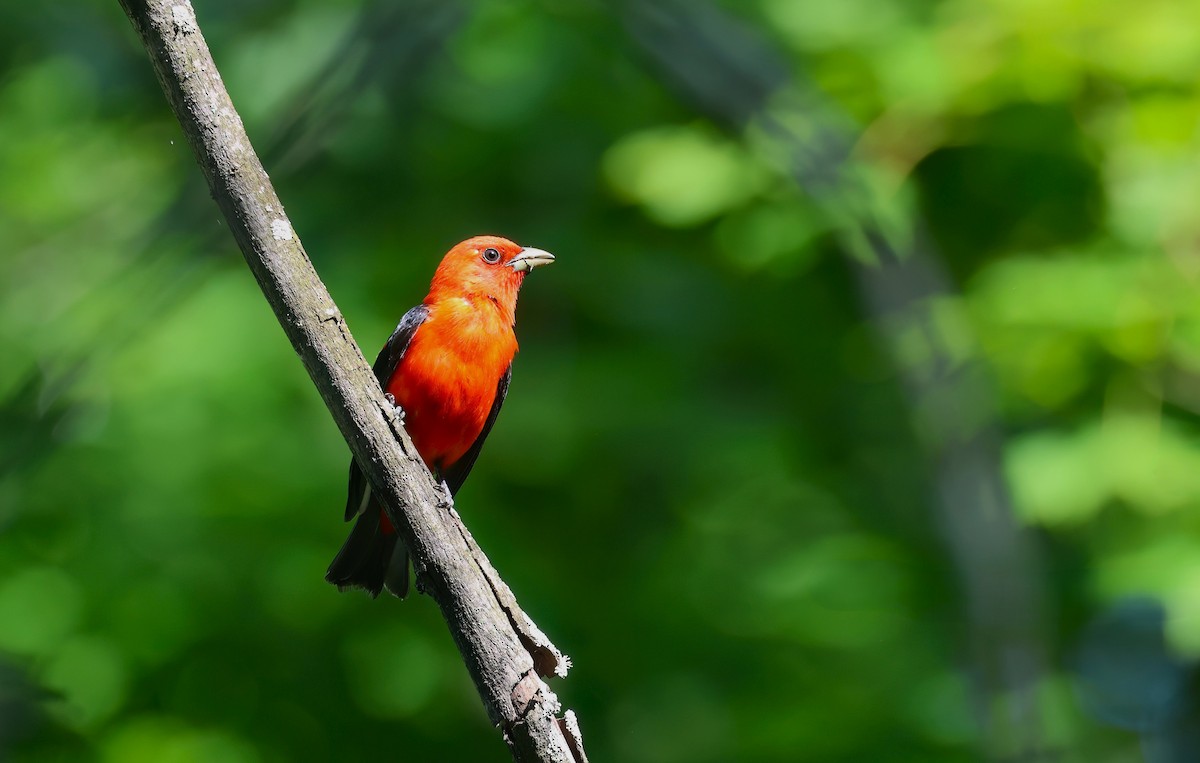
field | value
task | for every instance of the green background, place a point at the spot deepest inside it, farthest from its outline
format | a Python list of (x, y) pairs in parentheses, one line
[(778, 497)]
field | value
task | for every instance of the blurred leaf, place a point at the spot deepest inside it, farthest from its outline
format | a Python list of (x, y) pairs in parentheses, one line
[(39, 607), (170, 741), (683, 175), (393, 672), (708, 475), (90, 675)]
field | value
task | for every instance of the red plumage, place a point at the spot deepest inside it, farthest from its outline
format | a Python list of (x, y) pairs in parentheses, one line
[(447, 365)]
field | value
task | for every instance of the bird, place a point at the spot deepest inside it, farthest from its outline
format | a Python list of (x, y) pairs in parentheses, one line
[(447, 368)]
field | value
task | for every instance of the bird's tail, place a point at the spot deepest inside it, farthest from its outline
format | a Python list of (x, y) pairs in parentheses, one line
[(371, 559)]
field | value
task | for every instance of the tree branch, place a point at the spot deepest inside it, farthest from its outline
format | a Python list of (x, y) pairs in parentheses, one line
[(505, 653)]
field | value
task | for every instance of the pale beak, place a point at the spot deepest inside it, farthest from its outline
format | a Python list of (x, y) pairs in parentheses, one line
[(530, 258)]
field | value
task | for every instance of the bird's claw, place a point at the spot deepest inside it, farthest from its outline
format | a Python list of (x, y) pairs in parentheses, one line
[(395, 406)]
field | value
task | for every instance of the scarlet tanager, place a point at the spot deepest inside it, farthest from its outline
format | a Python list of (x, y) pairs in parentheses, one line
[(447, 365)]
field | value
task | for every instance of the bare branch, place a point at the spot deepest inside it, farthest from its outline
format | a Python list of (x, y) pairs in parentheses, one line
[(505, 653)]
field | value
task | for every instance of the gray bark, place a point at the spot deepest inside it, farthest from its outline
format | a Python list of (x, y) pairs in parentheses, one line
[(505, 653)]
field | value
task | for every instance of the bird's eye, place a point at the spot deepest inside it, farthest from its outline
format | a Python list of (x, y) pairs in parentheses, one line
[(491, 255)]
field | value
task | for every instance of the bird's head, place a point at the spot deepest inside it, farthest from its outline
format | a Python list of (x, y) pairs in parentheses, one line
[(486, 266)]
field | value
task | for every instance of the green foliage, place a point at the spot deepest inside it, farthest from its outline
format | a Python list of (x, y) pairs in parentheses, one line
[(707, 484)]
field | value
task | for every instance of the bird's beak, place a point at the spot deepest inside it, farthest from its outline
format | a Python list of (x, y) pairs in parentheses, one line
[(530, 258)]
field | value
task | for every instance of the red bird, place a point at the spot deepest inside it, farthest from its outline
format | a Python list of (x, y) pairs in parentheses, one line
[(447, 365)]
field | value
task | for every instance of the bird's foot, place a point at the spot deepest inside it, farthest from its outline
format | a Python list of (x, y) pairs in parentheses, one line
[(395, 406)]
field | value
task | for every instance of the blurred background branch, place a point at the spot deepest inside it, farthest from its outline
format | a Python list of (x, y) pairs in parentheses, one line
[(732, 76)]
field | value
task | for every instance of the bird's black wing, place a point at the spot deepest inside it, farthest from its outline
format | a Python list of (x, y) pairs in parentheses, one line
[(359, 493), (457, 473), (397, 343)]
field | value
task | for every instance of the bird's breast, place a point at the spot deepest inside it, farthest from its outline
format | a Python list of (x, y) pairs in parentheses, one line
[(446, 382)]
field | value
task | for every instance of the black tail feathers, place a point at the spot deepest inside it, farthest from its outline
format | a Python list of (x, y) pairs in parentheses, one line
[(371, 559)]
